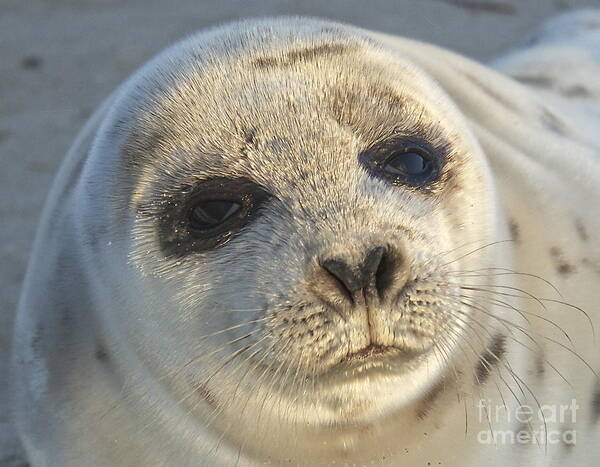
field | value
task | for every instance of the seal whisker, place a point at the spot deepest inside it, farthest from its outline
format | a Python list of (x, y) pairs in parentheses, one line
[(258, 382), (509, 370), (228, 360), (476, 250), (219, 409), (231, 399), (438, 256), (237, 326), (504, 272), (199, 358), (511, 336), (460, 339), (523, 313), (441, 346), (526, 295)]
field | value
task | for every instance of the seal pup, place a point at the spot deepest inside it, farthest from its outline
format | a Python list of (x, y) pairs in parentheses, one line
[(294, 242)]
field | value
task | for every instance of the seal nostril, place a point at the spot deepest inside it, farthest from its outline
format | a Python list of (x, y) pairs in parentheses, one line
[(388, 274), (344, 273), (372, 265), (383, 275), (365, 276)]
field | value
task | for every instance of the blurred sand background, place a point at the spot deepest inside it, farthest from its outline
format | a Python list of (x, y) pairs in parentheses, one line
[(60, 58)]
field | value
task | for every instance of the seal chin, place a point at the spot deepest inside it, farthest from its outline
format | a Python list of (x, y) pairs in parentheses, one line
[(375, 381)]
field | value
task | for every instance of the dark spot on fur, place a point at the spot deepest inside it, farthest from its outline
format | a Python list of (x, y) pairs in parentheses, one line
[(565, 269), (490, 357), (303, 175), (561, 265), (581, 230), (540, 364), (515, 233), (428, 401), (101, 353), (535, 80), (31, 62), (492, 93), (249, 136), (480, 6), (300, 55), (595, 403), (207, 396), (576, 91), (388, 95), (553, 123)]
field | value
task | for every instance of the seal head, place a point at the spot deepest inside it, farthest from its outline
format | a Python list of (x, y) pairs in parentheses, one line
[(289, 203)]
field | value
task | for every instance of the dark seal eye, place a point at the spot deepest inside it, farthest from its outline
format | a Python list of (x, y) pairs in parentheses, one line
[(207, 215), (408, 160), (414, 166)]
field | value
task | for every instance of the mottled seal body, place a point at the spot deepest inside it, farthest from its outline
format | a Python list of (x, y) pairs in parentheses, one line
[(290, 241)]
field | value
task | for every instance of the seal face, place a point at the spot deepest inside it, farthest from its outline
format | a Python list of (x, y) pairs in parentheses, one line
[(279, 223), (287, 201)]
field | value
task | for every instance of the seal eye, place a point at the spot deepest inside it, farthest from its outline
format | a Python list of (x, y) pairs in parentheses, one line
[(412, 166), (210, 214), (405, 160), (207, 214)]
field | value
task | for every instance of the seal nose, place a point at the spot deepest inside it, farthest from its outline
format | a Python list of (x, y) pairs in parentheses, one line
[(366, 277)]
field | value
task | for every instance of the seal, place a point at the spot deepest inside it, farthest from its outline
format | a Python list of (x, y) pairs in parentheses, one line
[(291, 241)]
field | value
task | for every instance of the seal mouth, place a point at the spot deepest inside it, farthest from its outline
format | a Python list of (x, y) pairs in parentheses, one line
[(371, 362), (371, 351), (370, 357)]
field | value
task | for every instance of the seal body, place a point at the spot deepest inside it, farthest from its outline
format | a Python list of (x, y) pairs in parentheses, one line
[(295, 242)]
